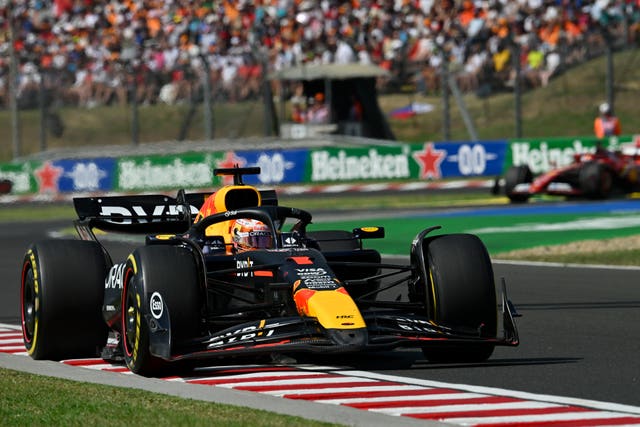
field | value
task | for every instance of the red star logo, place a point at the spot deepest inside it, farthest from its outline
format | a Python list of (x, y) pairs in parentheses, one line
[(230, 160), (47, 177), (429, 160)]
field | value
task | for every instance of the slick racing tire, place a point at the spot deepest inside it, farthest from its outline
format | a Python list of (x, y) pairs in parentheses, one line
[(462, 296), (517, 175), (170, 272), (596, 180), (61, 295)]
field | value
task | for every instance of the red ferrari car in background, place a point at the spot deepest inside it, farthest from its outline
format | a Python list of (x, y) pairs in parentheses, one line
[(596, 175)]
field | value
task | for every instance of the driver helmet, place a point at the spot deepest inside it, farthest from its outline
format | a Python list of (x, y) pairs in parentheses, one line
[(605, 108), (248, 234)]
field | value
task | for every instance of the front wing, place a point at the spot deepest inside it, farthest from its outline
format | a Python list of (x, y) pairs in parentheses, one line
[(386, 329)]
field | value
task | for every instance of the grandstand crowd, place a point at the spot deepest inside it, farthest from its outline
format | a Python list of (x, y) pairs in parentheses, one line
[(99, 52)]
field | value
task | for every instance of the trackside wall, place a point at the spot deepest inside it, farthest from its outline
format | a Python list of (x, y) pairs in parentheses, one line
[(426, 161)]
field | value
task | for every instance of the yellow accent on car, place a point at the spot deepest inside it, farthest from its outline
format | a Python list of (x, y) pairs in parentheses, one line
[(136, 343), (36, 290), (433, 293), (335, 310), (133, 263), (369, 229), (164, 236), (229, 198), (236, 197)]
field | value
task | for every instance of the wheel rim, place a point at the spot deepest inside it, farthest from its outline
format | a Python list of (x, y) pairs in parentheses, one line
[(29, 304), (130, 316)]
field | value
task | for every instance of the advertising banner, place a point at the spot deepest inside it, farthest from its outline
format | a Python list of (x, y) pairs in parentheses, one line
[(359, 164), (131, 174), (544, 154), (195, 170), (144, 173), (276, 167), (86, 175), (460, 159), (428, 161), (21, 176)]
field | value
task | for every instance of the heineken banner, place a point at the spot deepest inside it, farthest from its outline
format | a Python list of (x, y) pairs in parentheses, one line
[(145, 173), (195, 170), (151, 173), (411, 161), (544, 154), (427, 161)]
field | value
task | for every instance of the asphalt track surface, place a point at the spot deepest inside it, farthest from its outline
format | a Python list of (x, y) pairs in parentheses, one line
[(579, 330)]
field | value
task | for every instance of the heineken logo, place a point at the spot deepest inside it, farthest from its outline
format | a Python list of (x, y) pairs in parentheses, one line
[(372, 165), (176, 174)]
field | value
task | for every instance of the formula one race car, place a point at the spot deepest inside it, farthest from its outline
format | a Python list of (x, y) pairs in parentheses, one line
[(236, 281), (595, 175)]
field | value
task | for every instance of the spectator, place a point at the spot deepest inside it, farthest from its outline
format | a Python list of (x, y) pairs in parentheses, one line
[(88, 39), (318, 112)]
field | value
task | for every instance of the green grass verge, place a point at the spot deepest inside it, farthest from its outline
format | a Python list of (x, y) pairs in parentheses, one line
[(390, 201), (36, 212), (501, 245), (34, 400)]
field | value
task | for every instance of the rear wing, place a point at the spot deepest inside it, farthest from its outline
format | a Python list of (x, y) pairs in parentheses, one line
[(154, 213)]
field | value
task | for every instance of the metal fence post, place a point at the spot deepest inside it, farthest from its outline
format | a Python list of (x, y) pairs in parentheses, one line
[(206, 100), (444, 86), (517, 88), (42, 101)]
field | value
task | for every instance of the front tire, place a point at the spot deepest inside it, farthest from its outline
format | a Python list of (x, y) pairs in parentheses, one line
[(517, 175), (462, 295), (171, 272), (61, 295)]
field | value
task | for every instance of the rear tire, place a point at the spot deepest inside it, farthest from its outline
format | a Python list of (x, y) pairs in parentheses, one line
[(517, 175), (61, 295), (462, 295), (172, 272)]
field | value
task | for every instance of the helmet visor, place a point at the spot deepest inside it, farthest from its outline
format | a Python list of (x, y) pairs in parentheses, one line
[(256, 239)]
